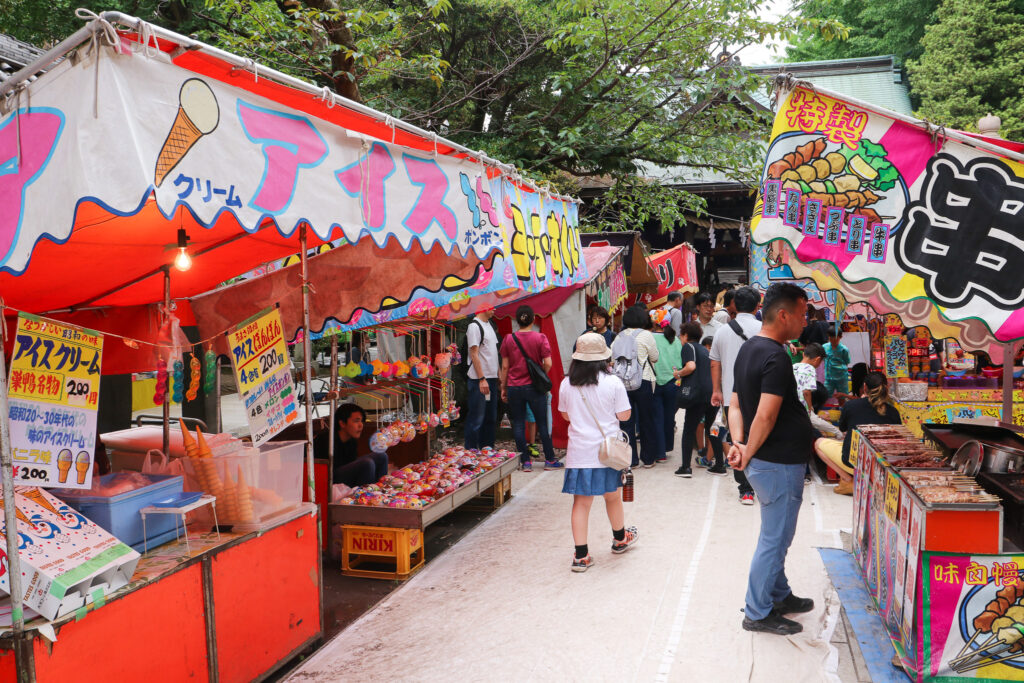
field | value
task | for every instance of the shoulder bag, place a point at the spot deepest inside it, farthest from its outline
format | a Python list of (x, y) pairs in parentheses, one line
[(689, 388), (615, 451), (539, 379)]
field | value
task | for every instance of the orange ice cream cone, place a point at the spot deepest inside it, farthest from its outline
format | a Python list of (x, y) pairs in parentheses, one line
[(64, 462), (198, 115), (82, 464)]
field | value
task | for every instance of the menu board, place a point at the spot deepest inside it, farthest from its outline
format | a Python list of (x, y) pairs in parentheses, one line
[(53, 395), (259, 356)]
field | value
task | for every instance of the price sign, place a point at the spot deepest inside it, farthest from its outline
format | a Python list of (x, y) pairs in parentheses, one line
[(854, 447), (259, 356), (892, 496), (54, 391)]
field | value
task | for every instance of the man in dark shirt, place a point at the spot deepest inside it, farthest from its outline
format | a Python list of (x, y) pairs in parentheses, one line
[(772, 441), (349, 467)]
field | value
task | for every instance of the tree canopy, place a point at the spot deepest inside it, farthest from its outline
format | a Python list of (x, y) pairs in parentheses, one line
[(872, 27), (972, 65), (565, 89)]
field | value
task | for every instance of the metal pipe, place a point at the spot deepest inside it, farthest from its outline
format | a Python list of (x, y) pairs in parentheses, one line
[(133, 23), (1008, 353), (167, 400), (21, 648), (218, 419), (307, 348), (306, 363), (334, 405), (49, 57)]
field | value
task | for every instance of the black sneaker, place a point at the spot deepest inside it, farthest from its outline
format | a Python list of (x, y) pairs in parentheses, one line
[(684, 472), (794, 605), (773, 623), (720, 471)]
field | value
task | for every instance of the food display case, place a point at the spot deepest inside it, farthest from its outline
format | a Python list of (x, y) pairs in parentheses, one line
[(937, 549)]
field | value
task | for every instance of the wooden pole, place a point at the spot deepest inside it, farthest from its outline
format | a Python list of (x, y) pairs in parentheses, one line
[(170, 365), (1008, 353)]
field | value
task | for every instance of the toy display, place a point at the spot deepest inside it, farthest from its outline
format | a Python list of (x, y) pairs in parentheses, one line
[(419, 485)]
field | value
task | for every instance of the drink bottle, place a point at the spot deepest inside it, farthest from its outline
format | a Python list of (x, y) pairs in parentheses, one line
[(627, 486)]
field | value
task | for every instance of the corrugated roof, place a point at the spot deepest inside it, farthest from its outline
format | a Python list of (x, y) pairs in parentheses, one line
[(15, 55), (876, 80)]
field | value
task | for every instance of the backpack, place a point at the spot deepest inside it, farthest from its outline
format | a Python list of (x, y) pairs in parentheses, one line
[(626, 361), (466, 361)]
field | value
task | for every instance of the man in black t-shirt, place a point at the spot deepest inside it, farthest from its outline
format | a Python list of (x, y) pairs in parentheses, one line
[(772, 441)]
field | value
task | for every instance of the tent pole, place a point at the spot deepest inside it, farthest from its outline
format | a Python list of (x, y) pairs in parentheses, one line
[(167, 402), (307, 372), (26, 674), (307, 364), (334, 406), (1008, 351)]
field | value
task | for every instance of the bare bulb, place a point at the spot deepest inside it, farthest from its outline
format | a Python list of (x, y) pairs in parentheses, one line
[(182, 261)]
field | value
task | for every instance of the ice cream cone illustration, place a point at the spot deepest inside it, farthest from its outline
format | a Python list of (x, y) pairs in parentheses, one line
[(82, 463), (64, 460), (36, 496), (198, 115), (21, 515)]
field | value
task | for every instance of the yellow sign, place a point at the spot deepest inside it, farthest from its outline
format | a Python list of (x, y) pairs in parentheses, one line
[(892, 496), (854, 447), (54, 391), (260, 358)]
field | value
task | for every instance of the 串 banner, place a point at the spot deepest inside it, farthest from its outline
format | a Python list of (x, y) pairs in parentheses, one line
[(924, 216)]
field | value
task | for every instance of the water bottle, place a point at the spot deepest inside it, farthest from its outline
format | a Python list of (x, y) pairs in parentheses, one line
[(627, 486)]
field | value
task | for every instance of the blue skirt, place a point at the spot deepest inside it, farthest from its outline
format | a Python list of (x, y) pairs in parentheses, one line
[(591, 481)]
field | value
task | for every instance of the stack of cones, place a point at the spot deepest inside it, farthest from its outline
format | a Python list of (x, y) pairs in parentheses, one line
[(230, 499), (201, 457), (244, 497)]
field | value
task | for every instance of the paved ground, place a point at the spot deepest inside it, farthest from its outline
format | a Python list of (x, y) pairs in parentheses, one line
[(503, 598)]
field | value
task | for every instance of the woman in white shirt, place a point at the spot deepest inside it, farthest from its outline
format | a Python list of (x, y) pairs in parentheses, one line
[(635, 323), (593, 401)]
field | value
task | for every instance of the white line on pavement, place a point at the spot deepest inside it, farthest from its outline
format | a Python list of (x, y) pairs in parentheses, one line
[(676, 634)]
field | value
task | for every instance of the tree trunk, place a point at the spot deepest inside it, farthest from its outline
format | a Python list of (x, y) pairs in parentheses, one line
[(342, 65)]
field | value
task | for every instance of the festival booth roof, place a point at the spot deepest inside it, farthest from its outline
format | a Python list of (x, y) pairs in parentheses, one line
[(139, 140), (638, 270), (675, 270), (923, 222)]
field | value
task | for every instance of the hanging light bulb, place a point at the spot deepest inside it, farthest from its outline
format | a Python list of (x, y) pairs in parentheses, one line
[(182, 261)]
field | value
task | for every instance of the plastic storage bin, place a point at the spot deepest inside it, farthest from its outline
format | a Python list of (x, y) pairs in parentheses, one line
[(120, 514), (253, 487)]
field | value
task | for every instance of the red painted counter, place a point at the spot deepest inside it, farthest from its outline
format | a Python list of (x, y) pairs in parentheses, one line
[(232, 612)]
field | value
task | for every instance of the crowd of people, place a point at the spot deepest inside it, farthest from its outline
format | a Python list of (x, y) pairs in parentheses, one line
[(750, 376)]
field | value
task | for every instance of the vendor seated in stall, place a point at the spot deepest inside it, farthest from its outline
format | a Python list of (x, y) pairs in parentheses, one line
[(350, 468), (873, 408)]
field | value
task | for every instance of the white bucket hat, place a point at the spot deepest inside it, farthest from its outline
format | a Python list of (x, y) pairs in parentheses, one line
[(591, 346)]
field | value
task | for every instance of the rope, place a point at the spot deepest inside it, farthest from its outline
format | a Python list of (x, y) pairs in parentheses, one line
[(327, 97), (389, 121), (938, 135), (103, 33), (250, 63)]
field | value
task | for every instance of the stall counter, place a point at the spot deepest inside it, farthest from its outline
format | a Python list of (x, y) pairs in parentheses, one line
[(236, 609)]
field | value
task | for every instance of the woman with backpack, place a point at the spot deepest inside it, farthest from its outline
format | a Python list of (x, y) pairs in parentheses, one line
[(669, 350), (634, 354), (593, 401), (695, 399), (518, 386)]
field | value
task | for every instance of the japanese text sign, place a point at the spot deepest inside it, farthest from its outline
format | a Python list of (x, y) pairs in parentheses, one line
[(54, 392), (971, 617), (259, 356), (884, 201), (215, 149)]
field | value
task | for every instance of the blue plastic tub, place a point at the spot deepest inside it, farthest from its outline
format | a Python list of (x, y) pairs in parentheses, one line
[(120, 514)]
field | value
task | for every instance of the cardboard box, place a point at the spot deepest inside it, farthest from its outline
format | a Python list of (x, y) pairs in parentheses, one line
[(67, 561)]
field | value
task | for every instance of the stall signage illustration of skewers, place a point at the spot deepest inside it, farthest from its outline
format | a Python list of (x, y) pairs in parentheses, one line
[(849, 179), (1003, 619)]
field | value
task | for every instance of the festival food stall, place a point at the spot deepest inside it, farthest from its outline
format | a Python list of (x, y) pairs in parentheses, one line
[(233, 165), (921, 222)]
